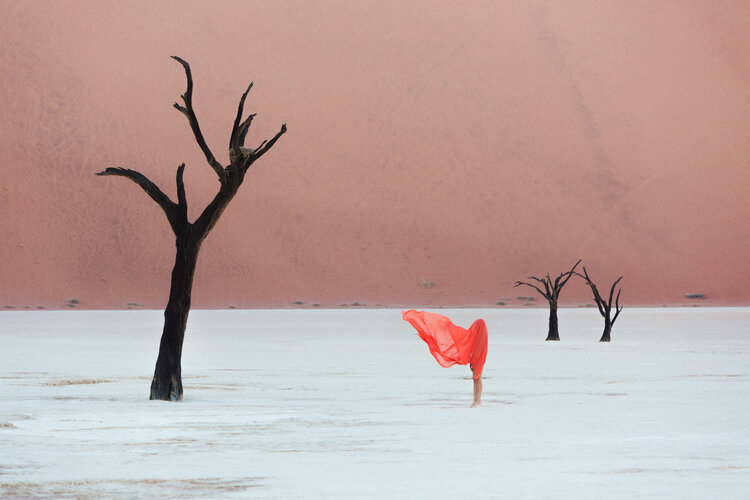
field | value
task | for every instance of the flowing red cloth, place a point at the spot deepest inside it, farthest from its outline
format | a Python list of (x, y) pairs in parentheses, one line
[(451, 344)]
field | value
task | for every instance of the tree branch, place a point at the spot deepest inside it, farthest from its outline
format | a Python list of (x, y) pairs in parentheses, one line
[(181, 198), (210, 215), (265, 146), (168, 206), (612, 290), (260, 146), (519, 283), (597, 297), (569, 274), (546, 293), (235, 140), (189, 112), (618, 309), (540, 280), (244, 127), (600, 304)]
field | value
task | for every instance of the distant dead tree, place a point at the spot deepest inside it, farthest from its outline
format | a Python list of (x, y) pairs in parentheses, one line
[(605, 307), (167, 381), (551, 292)]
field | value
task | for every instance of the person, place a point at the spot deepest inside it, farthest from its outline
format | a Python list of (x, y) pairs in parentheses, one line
[(450, 344)]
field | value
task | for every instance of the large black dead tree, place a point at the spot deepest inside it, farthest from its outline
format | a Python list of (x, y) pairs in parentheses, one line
[(551, 292), (605, 307), (167, 381)]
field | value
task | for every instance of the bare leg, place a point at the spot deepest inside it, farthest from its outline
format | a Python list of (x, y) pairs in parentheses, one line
[(477, 392)]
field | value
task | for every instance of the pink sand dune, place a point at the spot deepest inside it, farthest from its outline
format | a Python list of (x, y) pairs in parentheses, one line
[(436, 152)]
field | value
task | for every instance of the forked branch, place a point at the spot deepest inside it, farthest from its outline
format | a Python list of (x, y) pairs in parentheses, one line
[(239, 130), (597, 297), (605, 306), (544, 294), (149, 187), (239, 155), (551, 290), (176, 212), (566, 276), (266, 145), (189, 112), (618, 309)]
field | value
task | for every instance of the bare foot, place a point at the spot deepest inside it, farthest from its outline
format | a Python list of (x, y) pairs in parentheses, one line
[(475, 404)]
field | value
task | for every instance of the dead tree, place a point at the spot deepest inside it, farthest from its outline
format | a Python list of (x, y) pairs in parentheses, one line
[(167, 381), (605, 308), (551, 292)]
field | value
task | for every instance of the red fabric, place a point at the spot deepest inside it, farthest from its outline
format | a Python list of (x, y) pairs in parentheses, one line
[(451, 344)]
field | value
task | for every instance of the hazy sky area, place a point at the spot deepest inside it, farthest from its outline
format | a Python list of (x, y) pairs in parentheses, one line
[(437, 151)]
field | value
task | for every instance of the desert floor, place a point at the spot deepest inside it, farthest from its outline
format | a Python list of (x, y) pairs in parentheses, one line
[(349, 403)]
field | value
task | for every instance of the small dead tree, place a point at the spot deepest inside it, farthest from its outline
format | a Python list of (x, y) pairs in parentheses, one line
[(605, 307), (551, 292), (167, 381)]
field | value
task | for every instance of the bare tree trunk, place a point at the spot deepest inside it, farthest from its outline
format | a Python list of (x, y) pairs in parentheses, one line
[(551, 292), (167, 382), (553, 333), (607, 331), (605, 307)]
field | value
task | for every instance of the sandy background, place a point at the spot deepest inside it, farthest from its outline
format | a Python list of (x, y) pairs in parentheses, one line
[(464, 145)]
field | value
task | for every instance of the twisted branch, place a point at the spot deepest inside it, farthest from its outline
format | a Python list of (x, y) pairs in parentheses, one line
[(188, 111)]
